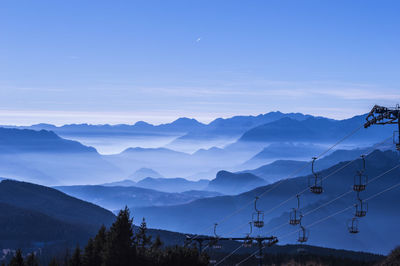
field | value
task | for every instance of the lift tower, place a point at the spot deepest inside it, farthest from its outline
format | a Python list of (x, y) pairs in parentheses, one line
[(380, 115)]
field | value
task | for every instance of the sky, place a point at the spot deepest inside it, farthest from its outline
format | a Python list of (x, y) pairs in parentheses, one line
[(123, 61)]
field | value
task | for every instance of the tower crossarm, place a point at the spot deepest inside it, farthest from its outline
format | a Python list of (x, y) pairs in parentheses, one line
[(380, 115)]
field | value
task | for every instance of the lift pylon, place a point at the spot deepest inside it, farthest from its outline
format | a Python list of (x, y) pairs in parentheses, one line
[(380, 115)]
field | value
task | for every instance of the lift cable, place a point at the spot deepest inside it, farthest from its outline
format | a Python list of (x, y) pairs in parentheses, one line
[(329, 175), (227, 256), (282, 180), (329, 216), (329, 202), (335, 199), (351, 206), (340, 196)]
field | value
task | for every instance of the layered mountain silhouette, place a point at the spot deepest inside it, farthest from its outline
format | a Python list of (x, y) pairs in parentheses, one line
[(143, 173), (315, 130), (235, 183), (282, 169), (43, 157), (179, 126), (172, 184), (116, 197), (223, 131), (376, 233), (37, 215)]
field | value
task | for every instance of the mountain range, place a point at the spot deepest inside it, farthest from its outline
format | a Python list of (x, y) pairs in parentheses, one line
[(332, 233), (117, 197), (45, 221), (33, 215)]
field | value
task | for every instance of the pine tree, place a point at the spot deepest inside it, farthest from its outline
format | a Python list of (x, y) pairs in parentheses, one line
[(17, 260), (88, 256), (157, 244), (141, 238), (119, 249), (99, 244), (76, 258), (31, 260)]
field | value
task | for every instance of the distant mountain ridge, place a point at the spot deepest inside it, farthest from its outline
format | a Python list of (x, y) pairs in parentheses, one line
[(172, 184), (332, 233), (313, 129), (178, 126), (117, 197), (39, 156), (235, 183)]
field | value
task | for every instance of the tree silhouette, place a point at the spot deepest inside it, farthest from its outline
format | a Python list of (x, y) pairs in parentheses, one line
[(142, 239), (17, 260), (76, 258), (119, 249), (31, 260)]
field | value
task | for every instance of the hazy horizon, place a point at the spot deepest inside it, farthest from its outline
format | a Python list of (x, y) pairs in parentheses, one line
[(79, 62), (151, 119)]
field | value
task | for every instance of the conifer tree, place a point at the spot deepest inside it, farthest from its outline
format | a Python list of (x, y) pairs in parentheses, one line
[(157, 243), (141, 238), (76, 258), (119, 249), (31, 260), (17, 260), (99, 245), (88, 256)]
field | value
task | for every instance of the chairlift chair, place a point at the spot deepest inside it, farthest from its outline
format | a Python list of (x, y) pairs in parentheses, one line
[(248, 242), (360, 179), (360, 182), (352, 226), (361, 209), (295, 215), (214, 243), (396, 140), (316, 186), (258, 216), (303, 235)]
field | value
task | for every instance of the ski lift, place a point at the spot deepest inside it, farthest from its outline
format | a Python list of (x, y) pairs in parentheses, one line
[(352, 226), (272, 241), (380, 115), (396, 140), (361, 208), (303, 234), (214, 243), (316, 186), (248, 242), (296, 213), (258, 216), (360, 179)]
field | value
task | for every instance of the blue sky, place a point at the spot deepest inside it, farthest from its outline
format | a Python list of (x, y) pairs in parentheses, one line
[(123, 61)]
